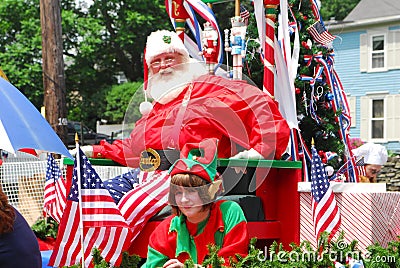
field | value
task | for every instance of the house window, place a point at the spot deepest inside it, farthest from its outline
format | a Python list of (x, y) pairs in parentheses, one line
[(377, 119), (378, 52)]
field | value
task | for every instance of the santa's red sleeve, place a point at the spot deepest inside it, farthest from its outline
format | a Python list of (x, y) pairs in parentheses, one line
[(119, 151), (248, 116)]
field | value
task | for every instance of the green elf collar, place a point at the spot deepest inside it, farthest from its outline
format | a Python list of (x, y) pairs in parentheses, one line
[(184, 243)]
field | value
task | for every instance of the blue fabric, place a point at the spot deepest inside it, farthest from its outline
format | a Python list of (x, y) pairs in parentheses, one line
[(122, 184), (45, 258), (20, 248), (26, 127)]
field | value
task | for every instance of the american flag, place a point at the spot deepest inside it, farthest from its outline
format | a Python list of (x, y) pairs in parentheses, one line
[(145, 200), (360, 166), (320, 34), (54, 190), (326, 213), (101, 225), (244, 14), (122, 184), (315, 9), (347, 167)]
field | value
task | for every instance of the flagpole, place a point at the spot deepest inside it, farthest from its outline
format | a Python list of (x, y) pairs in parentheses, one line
[(78, 174)]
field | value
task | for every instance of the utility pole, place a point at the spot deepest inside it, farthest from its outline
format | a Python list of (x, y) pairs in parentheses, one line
[(53, 67)]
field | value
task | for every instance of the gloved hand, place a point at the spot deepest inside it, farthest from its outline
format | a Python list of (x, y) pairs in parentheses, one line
[(87, 150), (248, 154)]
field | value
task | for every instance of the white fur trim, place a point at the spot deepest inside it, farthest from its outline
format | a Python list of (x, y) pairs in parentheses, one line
[(156, 45), (145, 107)]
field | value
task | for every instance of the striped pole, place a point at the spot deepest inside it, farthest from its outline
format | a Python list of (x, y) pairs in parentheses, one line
[(269, 62), (180, 15), (180, 28)]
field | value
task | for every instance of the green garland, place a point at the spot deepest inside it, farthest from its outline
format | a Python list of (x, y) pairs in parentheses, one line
[(300, 256), (44, 228)]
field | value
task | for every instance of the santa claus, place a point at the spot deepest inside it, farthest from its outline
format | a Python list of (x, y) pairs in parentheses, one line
[(189, 106)]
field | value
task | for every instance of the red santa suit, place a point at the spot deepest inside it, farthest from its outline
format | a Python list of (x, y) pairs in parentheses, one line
[(231, 111)]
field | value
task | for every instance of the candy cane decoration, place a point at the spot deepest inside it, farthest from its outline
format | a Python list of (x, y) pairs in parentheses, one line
[(179, 14), (269, 62)]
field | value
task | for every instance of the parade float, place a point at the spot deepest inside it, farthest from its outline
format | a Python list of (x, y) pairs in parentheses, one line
[(277, 195), (296, 53)]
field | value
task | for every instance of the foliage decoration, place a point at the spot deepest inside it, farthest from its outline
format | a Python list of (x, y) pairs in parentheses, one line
[(327, 254), (45, 227)]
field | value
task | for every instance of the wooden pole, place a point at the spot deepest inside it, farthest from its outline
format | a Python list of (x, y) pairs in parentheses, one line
[(53, 67), (237, 7)]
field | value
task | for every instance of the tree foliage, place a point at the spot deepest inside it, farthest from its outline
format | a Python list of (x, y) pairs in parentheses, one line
[(121, 98), (337, 9), (100, 41), (20, 46)]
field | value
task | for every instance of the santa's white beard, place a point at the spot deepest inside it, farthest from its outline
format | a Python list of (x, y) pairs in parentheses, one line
[(168, 83)]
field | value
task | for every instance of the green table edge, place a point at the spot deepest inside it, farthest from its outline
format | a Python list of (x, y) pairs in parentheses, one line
[(224, 162)]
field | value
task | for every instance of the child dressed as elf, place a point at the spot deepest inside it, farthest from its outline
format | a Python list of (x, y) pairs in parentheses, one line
[(198, 220)]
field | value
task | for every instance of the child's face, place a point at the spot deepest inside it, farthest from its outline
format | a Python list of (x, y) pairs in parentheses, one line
[(190, 204)]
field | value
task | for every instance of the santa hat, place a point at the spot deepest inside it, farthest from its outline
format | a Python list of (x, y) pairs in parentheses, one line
[(374, 154), (199, 159), (163, 41)]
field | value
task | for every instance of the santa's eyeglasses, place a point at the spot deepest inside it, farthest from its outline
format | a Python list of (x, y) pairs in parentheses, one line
[(167, 62)]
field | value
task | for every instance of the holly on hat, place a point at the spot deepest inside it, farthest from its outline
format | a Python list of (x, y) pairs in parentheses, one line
[(163, 41), (199, 159)]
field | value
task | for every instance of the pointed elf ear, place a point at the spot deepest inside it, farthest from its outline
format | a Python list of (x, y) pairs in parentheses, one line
[(214, 187)]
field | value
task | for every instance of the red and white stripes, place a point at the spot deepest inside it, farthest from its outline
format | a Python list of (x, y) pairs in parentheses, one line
[(365, 217), (140, 204)]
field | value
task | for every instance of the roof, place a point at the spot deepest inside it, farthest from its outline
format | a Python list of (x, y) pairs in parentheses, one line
[(369, 9)]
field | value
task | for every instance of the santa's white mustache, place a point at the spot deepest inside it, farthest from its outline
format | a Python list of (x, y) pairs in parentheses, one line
[(166, 71)]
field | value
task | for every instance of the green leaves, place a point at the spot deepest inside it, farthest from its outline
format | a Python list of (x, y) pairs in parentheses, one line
[(276, 256), (44, 228)]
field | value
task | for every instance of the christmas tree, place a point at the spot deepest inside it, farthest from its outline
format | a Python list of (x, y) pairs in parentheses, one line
[(322, 110)]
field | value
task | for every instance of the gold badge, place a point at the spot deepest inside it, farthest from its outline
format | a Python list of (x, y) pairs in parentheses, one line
[(149, 160)]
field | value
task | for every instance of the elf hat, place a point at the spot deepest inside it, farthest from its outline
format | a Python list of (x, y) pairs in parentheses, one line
[(374, 154), (201, 160), (163, 41)]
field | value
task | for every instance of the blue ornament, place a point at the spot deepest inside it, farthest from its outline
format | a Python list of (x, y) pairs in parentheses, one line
[(328, 96)]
